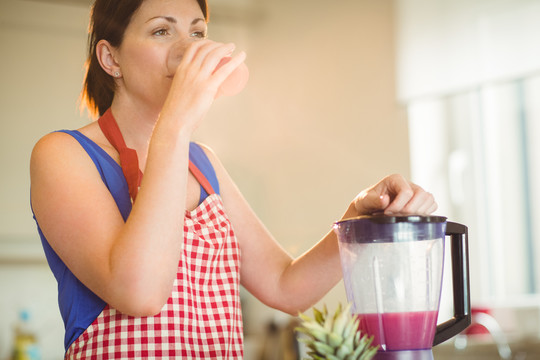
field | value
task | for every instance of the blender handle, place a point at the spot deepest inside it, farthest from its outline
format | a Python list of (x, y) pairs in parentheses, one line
[(460, 277)]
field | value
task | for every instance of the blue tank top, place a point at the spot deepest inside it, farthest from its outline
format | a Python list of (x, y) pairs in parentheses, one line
[(79, 306)]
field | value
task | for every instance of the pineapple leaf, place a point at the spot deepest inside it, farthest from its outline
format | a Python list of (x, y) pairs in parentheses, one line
[(315, 327), (305, 318), (319, 316), (343, 351), (357, 337), (362, 347), (323, 349), (328, 323), (313, 333), (370, 353), (349, 342), (334, 339), (333, 357), (340, 319), (335, 336), (315, 356), (351, 327)]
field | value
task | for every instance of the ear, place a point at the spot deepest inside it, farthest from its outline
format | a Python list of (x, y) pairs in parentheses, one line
[(105, 53)]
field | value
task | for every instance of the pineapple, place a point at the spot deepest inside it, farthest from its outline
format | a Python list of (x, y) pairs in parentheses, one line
[(335, 337)]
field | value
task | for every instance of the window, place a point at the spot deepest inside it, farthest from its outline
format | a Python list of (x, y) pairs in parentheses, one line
[(477, 152)]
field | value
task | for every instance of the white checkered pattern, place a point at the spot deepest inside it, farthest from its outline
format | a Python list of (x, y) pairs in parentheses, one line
[(201, 320)]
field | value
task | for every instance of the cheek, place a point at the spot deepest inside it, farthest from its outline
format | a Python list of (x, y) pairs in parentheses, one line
[(144, 62), (146, 72)]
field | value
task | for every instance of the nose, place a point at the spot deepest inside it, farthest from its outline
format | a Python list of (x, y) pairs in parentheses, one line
[(177, 51)]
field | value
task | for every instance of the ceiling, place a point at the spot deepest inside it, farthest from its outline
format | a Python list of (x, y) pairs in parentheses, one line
[(89, 2), (85, 3), (230, 11)]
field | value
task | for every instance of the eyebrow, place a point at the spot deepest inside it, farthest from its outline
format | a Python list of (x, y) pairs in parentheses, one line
[(173, 19)]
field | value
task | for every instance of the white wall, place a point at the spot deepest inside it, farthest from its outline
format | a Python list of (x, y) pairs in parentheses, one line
[(317, 123), (41, 70), (447, 46), (43, 51)]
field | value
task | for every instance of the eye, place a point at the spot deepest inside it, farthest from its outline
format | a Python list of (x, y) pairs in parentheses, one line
[(198, 34), (161, 32)]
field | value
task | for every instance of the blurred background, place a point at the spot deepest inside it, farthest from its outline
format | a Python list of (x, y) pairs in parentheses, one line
[(341, 93)]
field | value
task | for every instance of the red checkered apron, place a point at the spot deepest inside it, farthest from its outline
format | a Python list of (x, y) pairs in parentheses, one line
[(202, 318)]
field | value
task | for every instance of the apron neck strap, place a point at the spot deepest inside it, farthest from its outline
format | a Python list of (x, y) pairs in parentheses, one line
[(129, 161), (128, 157), (203, 181)]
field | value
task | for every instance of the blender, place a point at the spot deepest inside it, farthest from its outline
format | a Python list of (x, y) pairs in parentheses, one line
[(392, 270)]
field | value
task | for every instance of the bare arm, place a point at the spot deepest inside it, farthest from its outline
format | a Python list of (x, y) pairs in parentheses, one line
[(123, 263), (293, 285)]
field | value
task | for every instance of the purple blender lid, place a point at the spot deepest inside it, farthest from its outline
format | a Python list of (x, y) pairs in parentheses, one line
[(381, 228), (384, 219)]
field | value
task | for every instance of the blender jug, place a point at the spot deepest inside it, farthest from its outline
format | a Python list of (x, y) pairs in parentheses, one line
[(392, 270)]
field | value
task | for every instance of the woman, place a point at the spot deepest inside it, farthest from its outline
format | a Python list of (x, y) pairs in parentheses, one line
[(155, 264)]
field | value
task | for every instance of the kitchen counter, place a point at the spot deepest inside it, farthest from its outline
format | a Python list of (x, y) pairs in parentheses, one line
[(486, 349)]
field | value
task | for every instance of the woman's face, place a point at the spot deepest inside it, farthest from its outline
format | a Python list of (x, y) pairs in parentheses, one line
[(156, 28)]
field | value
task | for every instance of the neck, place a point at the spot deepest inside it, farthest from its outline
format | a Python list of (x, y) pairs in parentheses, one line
[(136, 125)]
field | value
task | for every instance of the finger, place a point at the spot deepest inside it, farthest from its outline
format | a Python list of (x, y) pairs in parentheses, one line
[(193, 49), (210, 56), (428, 206), (400, 192), (202, 56), (229, 66), (432, 208), (380, 195), (198, 51), (419, 204)]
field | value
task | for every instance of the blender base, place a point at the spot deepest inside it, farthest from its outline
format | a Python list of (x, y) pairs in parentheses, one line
[(426, 354)]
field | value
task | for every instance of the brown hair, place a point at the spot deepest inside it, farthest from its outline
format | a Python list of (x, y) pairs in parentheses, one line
[(108, 21)]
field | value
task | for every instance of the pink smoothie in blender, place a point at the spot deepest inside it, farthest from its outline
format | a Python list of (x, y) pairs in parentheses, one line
[(413, 330)]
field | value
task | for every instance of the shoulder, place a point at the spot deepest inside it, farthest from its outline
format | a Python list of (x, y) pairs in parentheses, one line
[(229, 192), (223, 177), (55, 154), (210, 154), (53, 144), (60, 146), (208, 151)]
